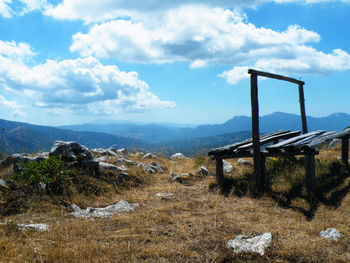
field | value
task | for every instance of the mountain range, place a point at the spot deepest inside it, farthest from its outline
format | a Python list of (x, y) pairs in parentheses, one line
[(165, 138)]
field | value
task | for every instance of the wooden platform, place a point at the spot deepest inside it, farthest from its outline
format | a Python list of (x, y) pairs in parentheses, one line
[(283, 143)]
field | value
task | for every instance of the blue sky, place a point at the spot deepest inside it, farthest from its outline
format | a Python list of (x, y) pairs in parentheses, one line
[(75, 61)]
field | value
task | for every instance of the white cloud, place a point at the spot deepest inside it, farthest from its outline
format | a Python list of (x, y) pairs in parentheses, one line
[(18, 113), (81, 85), (9, 104), (5, 10)]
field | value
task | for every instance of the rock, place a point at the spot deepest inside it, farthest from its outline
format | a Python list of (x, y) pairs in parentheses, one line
[(331, 233), (164, 194), (203, 171), (20, 159), (121, 150), (111, 167), (69, 151), (105, 152), (178, 156), (102, 159), (148, 156), (122, 206), (157, 167), (228, 168), (175, 177), (3, 183), (251, 245), (147, 169), (40, 227), (122, 160), (244, 162), (334, 143)]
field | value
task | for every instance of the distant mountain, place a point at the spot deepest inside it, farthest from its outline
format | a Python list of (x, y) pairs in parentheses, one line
[(157, 133), (20, 137)]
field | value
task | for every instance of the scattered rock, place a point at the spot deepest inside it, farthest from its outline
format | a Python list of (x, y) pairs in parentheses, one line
[(157, 167), (331, 233), (111, 167), (203, 171), (228, 168), (334, 143), (102, 159), (175, 177), (147, 169), (122, 160), (121, 150), (69, 151), (244, 161), (178, 156), (148, 156), (252, 245), (122, 206), (164, 194), (39, 227)]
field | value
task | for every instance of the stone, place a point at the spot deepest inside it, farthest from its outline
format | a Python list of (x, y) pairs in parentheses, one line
[(39, 227), (244, 161), (121, 206), (334, 143), (157, 167), (103, 151), (164, 194), (3, 183), (69, 151), (331, 233), (19, 159), (203, 171), (178, 156), (228, 168), (102, 159), (175, 177), (111, 167), (122, 160), (147, 169), (148, 156), (251, 245)]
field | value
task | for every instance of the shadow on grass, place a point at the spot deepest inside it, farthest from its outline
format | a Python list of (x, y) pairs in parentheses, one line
[(330, 188)]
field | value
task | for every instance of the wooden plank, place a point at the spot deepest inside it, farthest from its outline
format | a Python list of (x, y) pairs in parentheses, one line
[(302, 108), (302, 143), (345, 149), (255, 132), (275, 76), (269, 139), (227, 149), (322, 139), (277, 147)]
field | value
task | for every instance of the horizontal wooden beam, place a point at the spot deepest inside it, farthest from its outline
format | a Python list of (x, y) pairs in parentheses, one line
[(275, 76)]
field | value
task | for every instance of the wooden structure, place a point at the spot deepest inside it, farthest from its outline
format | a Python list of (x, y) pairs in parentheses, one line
[(281, 142)]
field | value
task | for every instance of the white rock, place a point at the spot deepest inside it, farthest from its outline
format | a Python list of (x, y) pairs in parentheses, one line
[(3, 183), (121, 206), (40, 227), (102, 159), (178, 156), (252, 245), (111, 167), (164, 194), (203, 171), (148, 155), (331, 233), (228, 168), (243, 161)]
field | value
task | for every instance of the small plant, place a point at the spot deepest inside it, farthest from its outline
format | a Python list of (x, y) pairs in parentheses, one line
[(49, 174), (198, 161)]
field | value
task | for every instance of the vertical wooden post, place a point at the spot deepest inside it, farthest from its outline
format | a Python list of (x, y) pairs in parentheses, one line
[(310, 172), (302, 108), (219, 171), (255, 132), (345, 150)]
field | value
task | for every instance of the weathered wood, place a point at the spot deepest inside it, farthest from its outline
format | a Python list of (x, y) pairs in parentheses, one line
[(278, 146), (302, 108), (327, 137), (275, 76), (269, 139), (255, 131), (345, 149), (219, 171), (309, 173)]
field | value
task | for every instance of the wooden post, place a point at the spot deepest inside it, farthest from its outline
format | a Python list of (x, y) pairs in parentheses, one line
[(310, 172), (302, 108), (255, 132), (219, 171), (345, 149)]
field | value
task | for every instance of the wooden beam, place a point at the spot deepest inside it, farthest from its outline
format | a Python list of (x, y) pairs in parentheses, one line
[(275, 76), (310, 173), (255, 132), (302, 108), (345, 149), (219, 171)]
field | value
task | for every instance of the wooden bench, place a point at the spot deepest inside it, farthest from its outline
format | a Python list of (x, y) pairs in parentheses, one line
[(282, 143)]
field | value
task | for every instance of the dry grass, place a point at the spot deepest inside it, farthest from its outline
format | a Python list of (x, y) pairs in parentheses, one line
[(194, 225)]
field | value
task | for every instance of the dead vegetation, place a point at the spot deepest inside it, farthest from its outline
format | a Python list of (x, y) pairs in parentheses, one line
[(193, 225)]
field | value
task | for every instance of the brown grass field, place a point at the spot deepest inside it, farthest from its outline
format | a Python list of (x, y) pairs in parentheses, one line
[(193, 225)]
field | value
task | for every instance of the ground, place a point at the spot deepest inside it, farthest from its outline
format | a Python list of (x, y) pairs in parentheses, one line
[(193, 225)]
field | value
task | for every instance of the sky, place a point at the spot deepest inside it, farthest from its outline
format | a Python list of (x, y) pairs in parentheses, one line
[(77, 61)]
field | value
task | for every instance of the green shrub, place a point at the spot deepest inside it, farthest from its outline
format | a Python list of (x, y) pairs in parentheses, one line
[(49, 174), (198, 161)]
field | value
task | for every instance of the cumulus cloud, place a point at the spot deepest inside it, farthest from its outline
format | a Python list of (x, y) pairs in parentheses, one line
[(8, 104), (5, 10), (82, 84), (18, 113)]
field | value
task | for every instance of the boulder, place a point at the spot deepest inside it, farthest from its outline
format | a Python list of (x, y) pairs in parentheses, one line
[(178, 156), (228, 168), (203, 171), (157, 167), (70, 151), (331, 233), (251, 245)]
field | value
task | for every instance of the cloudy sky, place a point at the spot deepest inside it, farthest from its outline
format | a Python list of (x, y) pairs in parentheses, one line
[(75, 61)]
